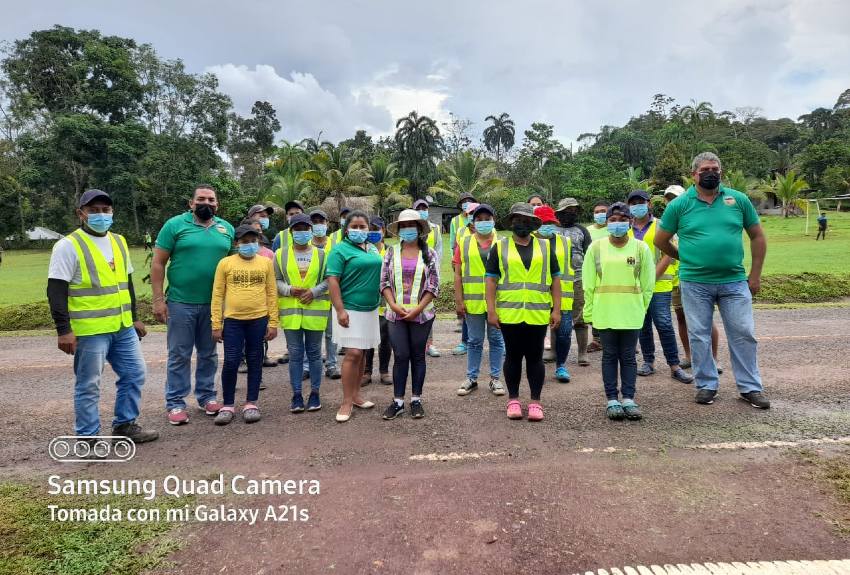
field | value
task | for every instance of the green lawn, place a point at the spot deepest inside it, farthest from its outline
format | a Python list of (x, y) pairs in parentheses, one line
[(23, 275)]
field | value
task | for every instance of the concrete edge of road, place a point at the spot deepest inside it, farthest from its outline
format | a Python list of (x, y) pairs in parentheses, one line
[(818, 567)]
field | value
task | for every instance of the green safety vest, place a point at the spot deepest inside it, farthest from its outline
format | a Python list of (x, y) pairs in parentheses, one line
[(563, 251), (294, 314), (522, 295), (472, 272), (664, 284), (418, 275), (100, 303)]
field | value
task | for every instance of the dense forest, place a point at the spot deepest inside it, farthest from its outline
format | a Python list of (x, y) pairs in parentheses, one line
[(79, 109)]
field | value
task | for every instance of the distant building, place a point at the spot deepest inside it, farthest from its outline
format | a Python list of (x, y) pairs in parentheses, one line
[(39, 233), (437, 214)]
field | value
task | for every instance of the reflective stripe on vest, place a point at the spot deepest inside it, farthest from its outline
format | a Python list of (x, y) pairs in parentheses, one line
[(100, 303), (563, 252), (294, 314), (522, 295), (418, 275), (472, 272), (665, 282), (601, 251)]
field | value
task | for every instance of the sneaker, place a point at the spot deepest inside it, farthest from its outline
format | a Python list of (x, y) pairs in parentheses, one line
[(269, 362), (250, 414), (514, 409), (283, 359), (615, 411), (243, 367), (386, 379), (535, 412), (562, 375), (178, 416), (706, 396), (313, 403), (135, 432), (468, 387), (594, 346), (224, 417), (297, 405), (646, 369), (333, 373), (756, 399), (632, 411), (416, 411), (211, 407), (549, 356), (433, 351), (496, 387), (681, 375), (393, 410), (460, 349), (366, 379)]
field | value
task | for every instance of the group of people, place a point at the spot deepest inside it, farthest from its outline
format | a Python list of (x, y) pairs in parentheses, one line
[(549, 276)]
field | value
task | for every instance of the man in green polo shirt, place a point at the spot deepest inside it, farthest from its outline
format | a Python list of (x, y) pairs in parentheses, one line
[(191, 244), (709, 219)]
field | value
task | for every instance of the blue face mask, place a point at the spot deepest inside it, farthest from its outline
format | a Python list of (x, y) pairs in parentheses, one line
[(248, 250), (264, 223), (546, 230), (485, 227), (618, 229), (342, 222), (463, 206), (423, 214), (600, 218), (374, 237), (302, 237), (358, 236), (408, 234), (639, 210), (320, 230), (99, 223)]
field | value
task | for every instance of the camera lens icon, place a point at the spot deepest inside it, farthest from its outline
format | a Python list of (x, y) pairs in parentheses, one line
[(99, 448)]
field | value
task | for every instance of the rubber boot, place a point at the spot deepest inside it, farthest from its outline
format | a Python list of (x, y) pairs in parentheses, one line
[(581, 341)]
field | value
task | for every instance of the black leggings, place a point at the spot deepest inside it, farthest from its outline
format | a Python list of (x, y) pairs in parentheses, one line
[(408, 340), (524, 341)]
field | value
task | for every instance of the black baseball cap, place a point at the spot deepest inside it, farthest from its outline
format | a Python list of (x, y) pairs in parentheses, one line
[(344, 210), (484, 208), (618, 207), (638, 194), (300, 219), (377, 221), (91, 195), (320, 213), (246, 229), (293, 204), (466, 196)]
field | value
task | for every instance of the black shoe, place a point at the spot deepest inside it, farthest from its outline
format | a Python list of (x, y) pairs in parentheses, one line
[(269, 362), (756, 399), (394, 410), (135, 432), (416, 411), (706, 396)]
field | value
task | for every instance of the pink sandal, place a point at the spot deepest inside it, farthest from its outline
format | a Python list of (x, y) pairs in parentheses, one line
[(514, 409), (535, 412)]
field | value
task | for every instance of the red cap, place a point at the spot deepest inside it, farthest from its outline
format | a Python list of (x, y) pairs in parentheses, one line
[(546, 214)]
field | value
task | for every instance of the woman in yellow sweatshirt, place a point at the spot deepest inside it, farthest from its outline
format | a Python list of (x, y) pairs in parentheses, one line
[(244, 314)]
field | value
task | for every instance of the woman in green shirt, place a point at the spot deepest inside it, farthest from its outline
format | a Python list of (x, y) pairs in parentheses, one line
[(618, 278), (354, 274)]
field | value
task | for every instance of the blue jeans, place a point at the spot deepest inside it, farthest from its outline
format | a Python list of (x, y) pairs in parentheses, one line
[(124, 353), (660, 315), (305, 343), (563, 338), (736, 309), (189, 327), (243, 335), (475, 324), (618, 351)]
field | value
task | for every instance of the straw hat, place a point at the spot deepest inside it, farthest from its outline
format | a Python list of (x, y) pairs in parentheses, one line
[(409, 216)]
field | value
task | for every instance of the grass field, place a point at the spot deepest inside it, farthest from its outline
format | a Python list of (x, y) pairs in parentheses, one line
[(23, 274)]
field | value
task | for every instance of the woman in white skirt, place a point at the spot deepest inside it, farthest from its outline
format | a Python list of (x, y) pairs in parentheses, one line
[(354, 276)]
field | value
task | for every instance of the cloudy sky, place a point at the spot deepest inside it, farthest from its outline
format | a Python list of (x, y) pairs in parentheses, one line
[(342, 65)]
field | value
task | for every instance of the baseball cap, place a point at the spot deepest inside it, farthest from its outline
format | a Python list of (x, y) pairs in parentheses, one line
[(344, 210), (484, 208), (245, 230), (618, 207), (523, 209), (674, 191), (300, 219), (377, 221), (318, 212), (269, 210), (465, 197), (420, 203), (638, 194), (293, 204), (545, 214), (91, 195), (567, 203), (470, 207)]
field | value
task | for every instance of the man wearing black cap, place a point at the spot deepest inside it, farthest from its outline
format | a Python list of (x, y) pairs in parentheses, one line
[(93, 304), (291, 208), (261, 213)]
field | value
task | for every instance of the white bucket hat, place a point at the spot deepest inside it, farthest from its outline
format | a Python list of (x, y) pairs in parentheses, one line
[(409, 216)]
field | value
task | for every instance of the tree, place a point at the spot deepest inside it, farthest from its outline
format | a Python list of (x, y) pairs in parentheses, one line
[(636, 181), (387, 186), (499, 135), (329, 180), (816, 158), (419, 142), (787, 189), (456, 135), (669, 167), (736, 180), (467, 173), (250, 143)]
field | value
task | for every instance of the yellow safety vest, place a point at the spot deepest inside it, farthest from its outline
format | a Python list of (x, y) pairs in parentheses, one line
[(100, 303), (294, 314), (472, 272), (665, 282), (432, 235), (333, 240), (457, 224), (563, 252), (382, 308), (522, 295), (418, 276)]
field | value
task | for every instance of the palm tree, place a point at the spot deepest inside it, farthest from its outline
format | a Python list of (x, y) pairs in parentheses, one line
[(697, 113), (388, 187), (281, 188), (500, 135), (419, 143), (313, 145), (328, 179), (738, 181), (634, 175), (288, 158), (787, 188), (466, 172), (783, 159)]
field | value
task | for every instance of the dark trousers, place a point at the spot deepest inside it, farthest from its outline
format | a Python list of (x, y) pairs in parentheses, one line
[(384, 350), (618, 350), (524, 341), (408, 341), (239, 335), (821, 234)]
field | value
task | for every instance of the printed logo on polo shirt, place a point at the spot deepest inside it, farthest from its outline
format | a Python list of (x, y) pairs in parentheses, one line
[(729, 201), (221, 229)]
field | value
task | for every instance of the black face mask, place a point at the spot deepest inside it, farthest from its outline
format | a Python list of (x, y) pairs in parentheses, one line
[(522, 230), (567, 218), (709, 180), (205, 212)]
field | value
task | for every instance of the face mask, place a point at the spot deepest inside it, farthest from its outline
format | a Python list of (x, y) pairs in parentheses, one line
[(600, 218), (522, 230), (464, 205), (546, 230), (342, 222), (709, 180), (423, 214), (264, 223), (618, 229), (320, 230), (374, 237), (485, 227), (408, 234), (248, 250), (204, 212), (302, 237), (358, 236), (99, 223), (639, 210), (568, 218)]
